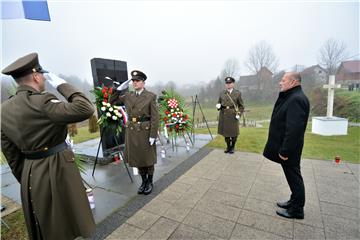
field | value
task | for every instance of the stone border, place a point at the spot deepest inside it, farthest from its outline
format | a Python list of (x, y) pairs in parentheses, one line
[(112, 222)]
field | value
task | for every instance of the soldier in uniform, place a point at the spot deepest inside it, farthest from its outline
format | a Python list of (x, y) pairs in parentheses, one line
[(141, 129), (231, 107), (33, 133)]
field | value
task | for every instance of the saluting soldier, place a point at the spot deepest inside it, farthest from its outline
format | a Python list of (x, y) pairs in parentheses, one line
[(33, 133), (231, 106), (141, 129)]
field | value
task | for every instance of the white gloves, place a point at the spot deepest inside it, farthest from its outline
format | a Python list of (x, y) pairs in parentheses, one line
[(54, 80), (218, 106), (69, 141), (124, 85), (151, 141)]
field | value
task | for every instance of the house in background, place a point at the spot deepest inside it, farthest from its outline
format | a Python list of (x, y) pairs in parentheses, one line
[(314, 73), (256, 82), (348, 74)]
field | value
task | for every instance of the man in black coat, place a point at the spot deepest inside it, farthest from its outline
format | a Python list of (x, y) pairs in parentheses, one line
[(286, 140)]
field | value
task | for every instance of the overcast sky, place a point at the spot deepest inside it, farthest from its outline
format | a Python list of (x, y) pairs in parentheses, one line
[(182, 41)]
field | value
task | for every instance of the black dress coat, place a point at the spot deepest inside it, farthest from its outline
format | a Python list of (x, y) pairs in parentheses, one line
[(287, 127)]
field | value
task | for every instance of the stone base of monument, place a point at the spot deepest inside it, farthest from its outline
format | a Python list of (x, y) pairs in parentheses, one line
[(329, 126)]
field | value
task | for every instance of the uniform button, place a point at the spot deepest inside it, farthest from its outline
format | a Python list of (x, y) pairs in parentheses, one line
[(30, 175), (29, 188), (33, 212)]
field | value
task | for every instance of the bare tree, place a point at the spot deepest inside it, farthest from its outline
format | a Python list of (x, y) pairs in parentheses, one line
[(260, 56), (332, 53), (231, 69)]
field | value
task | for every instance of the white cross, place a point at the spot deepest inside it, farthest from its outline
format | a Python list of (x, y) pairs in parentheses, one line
[(331, 89)]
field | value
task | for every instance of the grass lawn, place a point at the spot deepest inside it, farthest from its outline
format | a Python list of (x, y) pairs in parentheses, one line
[(315, 147), (255, 112), (84, 135), (17, 226)]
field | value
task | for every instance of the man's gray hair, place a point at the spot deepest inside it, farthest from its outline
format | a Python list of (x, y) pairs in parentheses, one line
[(295, 76)]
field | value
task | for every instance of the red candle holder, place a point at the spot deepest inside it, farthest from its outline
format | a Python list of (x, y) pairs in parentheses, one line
[(337, 159), (116, 159)]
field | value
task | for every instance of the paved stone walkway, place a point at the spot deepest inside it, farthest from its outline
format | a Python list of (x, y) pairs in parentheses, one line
[(233, 197), (10, 206)]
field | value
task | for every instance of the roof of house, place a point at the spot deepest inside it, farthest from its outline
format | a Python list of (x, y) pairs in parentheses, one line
[(352, 66), (311, 69)]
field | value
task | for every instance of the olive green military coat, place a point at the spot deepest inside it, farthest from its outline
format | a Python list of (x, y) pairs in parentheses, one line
[(53, 196), (138, 151), (228, 125)]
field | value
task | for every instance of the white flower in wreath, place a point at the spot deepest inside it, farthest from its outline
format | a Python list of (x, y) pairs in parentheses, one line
[(114, 117), (177, 109), (119, 115), (172, 110), (103, 109), (108, 105), (104, 103), (111, 109), (169, 115), (108, 114)]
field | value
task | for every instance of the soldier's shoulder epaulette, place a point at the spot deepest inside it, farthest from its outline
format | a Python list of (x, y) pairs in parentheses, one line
[(151, 93), (36, 93)]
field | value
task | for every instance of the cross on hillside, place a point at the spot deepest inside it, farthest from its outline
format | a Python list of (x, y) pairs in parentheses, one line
[(330, 100)]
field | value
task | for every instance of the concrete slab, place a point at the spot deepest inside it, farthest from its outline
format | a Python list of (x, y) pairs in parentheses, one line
[(208, 223), (12, 191), (143, 219), (239, 201), (184, 232), (10, 206), (302, 231), (7, 178), (161, 230), (212, 195), (103, 200), (245, 232), (126, 231), (217, 209), (111, 183), (341, 228)]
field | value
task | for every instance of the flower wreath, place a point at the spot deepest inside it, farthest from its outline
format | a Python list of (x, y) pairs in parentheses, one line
[(111, 115), (173, 113)]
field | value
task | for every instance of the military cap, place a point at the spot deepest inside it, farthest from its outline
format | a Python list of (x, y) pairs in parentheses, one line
[(138, 75), (229, 80), (24, 66)]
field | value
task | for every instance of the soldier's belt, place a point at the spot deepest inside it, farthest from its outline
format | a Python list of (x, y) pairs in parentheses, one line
[(46, 152), (140, 119), (227, 107)]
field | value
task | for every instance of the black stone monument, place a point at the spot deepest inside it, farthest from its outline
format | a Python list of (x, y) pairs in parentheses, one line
[(110, 73)]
